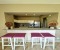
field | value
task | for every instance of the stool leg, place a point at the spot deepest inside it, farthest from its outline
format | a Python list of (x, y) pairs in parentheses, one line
[(44, 43), (2, 43), (53, 43), (14, 43), (32, 42), (24, 44), (11, 43), (41, 42)]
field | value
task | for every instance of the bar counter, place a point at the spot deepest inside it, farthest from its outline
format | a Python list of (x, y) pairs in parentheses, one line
[(28, 31)]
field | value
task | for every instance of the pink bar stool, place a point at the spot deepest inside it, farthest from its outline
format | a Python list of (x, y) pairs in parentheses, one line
[(9, 38), (35, 36), (19, 36), (47, 37)]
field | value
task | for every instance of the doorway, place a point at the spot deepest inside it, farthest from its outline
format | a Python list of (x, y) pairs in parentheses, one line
[(45, 22)]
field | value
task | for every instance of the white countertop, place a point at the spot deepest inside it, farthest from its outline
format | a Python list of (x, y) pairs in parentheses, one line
[(32, 29), (26, 28)]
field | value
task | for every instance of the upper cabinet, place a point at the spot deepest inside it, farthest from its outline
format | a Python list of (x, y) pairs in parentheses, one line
[(24, 21)]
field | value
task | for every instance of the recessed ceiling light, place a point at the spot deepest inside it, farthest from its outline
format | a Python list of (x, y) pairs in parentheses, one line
[(50, 15), (34, 14), (26, 14)]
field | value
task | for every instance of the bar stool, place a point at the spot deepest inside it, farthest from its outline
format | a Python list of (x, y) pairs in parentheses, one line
[(48, 38), (19, 36), (35, 36), (9, 38)]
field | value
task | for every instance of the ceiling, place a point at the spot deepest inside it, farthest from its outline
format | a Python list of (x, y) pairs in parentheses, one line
[(25, 14), (29, 1)]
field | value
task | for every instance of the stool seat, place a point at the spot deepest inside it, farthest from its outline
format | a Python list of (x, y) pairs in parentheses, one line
[(47, 35), (8, 35), (36, 35), (19, 34)]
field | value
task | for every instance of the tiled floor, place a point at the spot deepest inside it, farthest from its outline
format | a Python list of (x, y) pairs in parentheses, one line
[(36, 47)]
